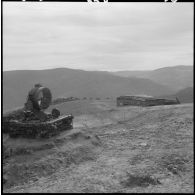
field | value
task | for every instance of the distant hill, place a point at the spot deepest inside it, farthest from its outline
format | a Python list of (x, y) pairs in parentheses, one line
[(185, 95), (65, 82), (176, 77)]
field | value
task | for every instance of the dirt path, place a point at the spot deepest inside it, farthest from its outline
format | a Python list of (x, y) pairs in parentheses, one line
[(148, 150)]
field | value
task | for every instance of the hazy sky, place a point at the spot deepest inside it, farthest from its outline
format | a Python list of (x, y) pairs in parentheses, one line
[(97, 36)]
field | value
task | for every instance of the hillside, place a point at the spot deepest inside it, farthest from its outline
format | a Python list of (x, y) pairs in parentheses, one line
[(185, 95), (110, 150), (77, 83), (177, 77)]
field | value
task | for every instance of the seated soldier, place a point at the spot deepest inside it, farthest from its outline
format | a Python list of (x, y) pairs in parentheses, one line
[(31, 103)]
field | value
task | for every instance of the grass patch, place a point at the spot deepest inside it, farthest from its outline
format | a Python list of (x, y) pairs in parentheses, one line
[(176, 164), (134, 180)]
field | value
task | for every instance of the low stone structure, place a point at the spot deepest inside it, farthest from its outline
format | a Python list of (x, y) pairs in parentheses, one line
[(32, 122), (143, 101), (63, 100)]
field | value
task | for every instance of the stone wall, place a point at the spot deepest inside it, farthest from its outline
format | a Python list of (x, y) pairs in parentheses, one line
[(143, 101)]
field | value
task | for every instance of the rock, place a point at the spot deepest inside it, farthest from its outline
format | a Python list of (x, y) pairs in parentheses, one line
[(143, 144)]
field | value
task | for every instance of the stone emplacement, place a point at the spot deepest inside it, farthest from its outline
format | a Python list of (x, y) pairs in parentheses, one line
[(143, 101)]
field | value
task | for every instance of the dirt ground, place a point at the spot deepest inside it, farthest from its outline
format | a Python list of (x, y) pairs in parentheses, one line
[(110, 149)]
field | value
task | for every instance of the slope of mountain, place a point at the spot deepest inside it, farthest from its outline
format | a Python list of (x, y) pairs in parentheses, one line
[(78, 83), (185, 95), (149, 150), (177, 77)]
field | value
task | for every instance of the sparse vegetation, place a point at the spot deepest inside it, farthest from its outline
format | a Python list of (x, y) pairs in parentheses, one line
[(140, 181), (149, 150)]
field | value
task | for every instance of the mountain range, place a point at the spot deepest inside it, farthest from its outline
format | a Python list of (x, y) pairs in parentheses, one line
[(64, 82), (185, 95), (176, 77)]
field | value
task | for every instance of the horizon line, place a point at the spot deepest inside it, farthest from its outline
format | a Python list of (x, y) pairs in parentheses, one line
[(95, 70)]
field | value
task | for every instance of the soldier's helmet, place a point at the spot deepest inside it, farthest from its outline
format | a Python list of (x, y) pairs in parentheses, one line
[(38, 85)]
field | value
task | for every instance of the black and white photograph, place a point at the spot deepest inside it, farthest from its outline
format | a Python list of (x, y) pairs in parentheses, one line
[(97, 97)]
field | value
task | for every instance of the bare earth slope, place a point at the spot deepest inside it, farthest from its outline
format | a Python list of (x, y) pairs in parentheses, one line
[(126, 149)]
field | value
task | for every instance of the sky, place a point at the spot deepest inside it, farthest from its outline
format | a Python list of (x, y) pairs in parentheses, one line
[(97, 36)]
